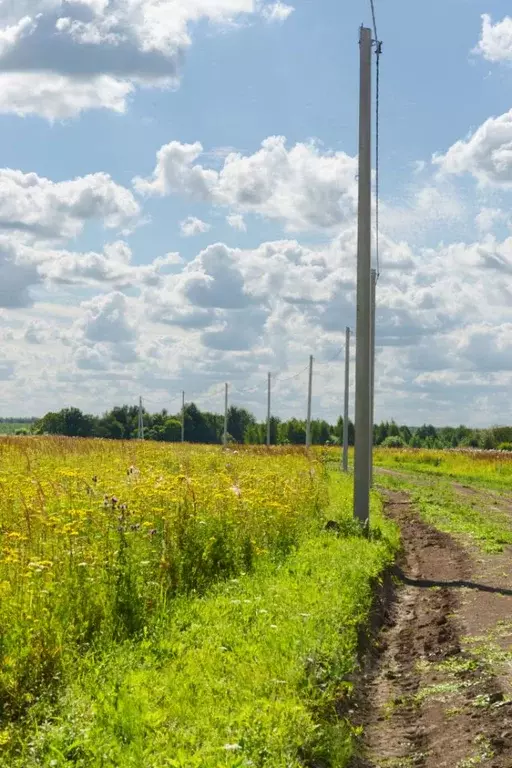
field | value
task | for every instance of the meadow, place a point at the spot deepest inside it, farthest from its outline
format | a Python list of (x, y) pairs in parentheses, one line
[(484, 468), (168, 605)]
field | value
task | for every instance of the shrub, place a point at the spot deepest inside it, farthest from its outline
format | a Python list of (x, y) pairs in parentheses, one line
[(505, 447), (393, 441)]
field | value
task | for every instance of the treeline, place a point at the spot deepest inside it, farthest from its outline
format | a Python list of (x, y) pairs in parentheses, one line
[(121, 423), (391, 435), (205, 427)]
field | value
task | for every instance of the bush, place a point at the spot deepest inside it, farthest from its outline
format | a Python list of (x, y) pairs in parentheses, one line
[(393, 441), (505, 447)]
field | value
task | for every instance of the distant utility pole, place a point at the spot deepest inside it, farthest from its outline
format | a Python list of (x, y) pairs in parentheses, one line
[(363, 389), (140, 429), (269, 406), (347, 399), (373, 287), (225, 436), (310, 396), (183, 417)]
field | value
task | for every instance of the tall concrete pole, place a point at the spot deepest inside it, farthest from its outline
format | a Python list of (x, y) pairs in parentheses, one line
[(310, 397), (225, 436), (347, 398), (373, 287), (141, 420), (183, 417), (362, 421), (269, 407)]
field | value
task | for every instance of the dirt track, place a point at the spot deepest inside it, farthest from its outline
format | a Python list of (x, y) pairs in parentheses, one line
[(436, 698)]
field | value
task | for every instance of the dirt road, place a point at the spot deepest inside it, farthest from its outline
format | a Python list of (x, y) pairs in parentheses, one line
[(439, 693)]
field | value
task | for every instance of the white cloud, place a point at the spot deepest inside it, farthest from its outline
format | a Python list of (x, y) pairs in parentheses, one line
[(487, 218), (192, 226), (237, 221), (16, 277), (60, 58), (37, 332), (486, 154), (495, 43), (57, 97), (106, 319), (277, 11), (10, 35), (302, 187), (45, 209)]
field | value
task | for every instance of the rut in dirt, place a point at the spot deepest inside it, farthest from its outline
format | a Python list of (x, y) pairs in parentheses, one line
[(427, 702)]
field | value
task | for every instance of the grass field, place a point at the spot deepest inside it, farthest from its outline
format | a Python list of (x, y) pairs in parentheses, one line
[(459, 492), (484, 468), (11, 427), (175, 606)]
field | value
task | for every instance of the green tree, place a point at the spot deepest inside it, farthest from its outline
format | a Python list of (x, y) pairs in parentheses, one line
[(239, 419)]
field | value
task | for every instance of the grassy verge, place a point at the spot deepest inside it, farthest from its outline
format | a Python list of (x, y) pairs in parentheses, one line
[(254, 673), (440, 505)]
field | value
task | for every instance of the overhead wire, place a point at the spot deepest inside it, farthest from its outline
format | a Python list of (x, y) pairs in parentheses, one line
[(378, 53)]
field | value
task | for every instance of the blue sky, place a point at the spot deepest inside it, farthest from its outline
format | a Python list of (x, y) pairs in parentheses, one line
[(126, 136)]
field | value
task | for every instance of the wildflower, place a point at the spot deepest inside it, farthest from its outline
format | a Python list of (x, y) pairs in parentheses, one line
[(236, 490)]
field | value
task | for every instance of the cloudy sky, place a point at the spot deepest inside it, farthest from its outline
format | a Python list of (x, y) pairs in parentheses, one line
[(178, 189)]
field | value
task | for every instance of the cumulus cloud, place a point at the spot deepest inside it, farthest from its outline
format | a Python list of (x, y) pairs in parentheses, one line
[(58, 97), (43, 208), (303, 187), (192, 226), (495, 43), (106, 319), (486, 154), (59, 58), (487, 218), (17, 276)]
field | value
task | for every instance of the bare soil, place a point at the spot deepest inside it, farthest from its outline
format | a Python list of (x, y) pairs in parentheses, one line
[(435, 696)]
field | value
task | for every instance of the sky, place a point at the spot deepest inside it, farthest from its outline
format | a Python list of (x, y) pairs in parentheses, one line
[(178, 205)]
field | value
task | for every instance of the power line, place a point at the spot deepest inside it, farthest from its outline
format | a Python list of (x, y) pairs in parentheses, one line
[(374, 20), (290, 378), (378, 53)]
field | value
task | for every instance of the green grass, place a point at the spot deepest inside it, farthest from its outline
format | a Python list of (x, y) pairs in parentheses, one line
[(440, 505), (255, 673), (481, 469), (9, 428)]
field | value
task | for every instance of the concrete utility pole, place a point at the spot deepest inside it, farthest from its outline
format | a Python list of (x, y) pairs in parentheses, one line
[(183, 417), (362, 421), (373, 287), (347, 398), (269, 406), (225, 436), (140, 430), (310, 396)]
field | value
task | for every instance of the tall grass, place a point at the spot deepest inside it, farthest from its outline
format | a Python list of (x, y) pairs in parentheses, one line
[(257, 670), (97, 539), (491, 468)]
